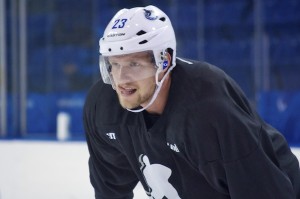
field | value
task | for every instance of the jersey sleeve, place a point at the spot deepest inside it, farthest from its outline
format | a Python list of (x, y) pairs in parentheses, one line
[(264, 172), (110, 172), (237, 153), (250, 160), (268, 169)]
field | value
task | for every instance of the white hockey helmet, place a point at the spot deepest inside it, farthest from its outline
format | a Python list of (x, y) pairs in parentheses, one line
[(136, 30)]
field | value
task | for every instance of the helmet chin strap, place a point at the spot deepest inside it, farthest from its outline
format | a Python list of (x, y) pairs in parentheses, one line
[(157, 89)]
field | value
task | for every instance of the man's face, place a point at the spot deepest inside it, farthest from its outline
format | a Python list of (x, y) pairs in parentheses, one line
[(134, 78)]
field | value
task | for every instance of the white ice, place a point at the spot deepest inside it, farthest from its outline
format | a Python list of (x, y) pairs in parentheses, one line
[(48, 170)]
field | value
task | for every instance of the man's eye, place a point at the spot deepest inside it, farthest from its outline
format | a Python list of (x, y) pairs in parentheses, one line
[(115, 65), (135, 64)]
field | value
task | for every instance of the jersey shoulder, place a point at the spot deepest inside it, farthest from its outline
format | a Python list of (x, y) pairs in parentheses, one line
[(210, 106), (198, 82)]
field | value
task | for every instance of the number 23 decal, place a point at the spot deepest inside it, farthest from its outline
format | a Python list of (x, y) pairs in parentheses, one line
[(119, 23)]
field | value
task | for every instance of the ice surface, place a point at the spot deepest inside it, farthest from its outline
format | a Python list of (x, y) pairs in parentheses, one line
[(47, 170)]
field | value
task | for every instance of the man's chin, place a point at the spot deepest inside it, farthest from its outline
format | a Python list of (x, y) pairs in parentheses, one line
[(128, 105)]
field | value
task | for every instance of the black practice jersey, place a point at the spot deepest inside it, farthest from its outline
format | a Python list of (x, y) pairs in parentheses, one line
[(208, 143)]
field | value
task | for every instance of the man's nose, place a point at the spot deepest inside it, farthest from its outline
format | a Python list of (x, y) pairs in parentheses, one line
[(124, 75)]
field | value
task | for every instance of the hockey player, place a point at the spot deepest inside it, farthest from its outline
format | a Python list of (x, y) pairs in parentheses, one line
[(184, 132)]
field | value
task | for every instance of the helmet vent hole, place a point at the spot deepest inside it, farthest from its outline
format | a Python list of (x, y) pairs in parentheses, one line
[(162, 19), (121, 48), (143, 42), (141, 33)]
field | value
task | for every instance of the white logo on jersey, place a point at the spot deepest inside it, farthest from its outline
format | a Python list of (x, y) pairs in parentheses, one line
[(173, 147), (157, 178), (111, 136)]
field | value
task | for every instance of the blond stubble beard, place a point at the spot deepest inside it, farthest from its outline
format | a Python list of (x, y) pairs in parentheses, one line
[(142, 99)]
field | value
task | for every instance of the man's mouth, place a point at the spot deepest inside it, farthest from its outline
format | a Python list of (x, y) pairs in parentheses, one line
[(126, 91)]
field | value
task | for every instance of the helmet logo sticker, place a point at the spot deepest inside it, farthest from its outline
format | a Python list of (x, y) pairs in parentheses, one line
[(148, 15)]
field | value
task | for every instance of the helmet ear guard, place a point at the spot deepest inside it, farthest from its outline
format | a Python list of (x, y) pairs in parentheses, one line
[(166, 59), (165, 64)]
